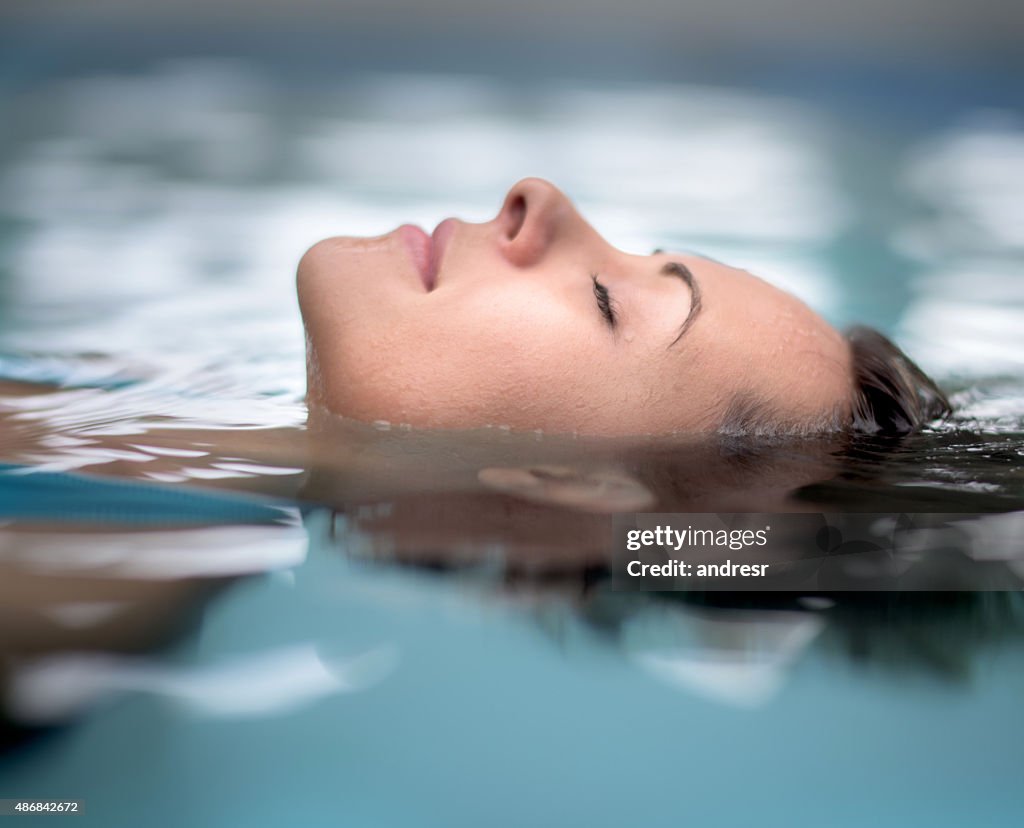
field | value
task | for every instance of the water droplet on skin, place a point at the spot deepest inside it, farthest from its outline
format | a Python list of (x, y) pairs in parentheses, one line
[(382, 425)]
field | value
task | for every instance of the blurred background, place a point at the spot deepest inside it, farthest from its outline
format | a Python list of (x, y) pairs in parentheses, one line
[(156, 159), (163, 167)]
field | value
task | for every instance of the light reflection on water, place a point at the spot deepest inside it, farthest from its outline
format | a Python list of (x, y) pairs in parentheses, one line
[(365, 672), (968, 298), (181, 198), (151, 229)]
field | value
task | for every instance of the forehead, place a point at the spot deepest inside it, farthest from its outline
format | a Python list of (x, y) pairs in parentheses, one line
[(734, 292), (758, 338)]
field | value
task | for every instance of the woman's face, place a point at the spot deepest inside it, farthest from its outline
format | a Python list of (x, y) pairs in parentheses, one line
[(532, 320)]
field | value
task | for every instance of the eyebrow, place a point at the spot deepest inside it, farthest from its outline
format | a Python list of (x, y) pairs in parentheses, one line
[(683, 272)]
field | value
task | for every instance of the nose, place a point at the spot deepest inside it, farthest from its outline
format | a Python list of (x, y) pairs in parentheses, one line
[(534, 216)]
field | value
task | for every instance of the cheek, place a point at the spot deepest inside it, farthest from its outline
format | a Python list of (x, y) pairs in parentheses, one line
[(488, 359), (498, 361)]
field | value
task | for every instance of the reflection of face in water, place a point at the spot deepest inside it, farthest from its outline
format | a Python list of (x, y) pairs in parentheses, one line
[(476, 501), (538, 504), (533, 320)]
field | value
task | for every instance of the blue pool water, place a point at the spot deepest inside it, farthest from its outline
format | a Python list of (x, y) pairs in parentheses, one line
[(275, 651), (488, 710)]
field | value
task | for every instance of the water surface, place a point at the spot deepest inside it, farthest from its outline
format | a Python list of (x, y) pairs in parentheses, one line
[(216, 614)]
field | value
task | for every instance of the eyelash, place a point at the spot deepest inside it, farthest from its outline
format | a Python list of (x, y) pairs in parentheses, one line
[(604, 301)]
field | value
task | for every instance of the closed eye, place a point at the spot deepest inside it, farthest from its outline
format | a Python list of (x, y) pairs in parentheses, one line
[(604, 302)]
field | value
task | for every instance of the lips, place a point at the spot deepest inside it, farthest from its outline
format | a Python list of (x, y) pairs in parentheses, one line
[(426, 251), (441, 236), (420, 247)]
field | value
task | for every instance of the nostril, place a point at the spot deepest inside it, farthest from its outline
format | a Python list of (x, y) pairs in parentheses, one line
[(517, 214)]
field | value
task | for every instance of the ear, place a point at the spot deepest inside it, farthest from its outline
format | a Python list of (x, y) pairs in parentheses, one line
[(587, 491)]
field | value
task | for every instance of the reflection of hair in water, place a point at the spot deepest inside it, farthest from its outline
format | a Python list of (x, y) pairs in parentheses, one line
[(933, 633), (891, 395)]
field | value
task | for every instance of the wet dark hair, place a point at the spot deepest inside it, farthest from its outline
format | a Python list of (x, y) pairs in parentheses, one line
[(891, 395)]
